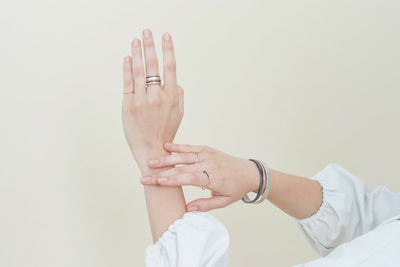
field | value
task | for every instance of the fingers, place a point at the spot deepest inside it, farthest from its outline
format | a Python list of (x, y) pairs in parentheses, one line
[(187, 175), (129, 88), (207, 204), (181, 170), (190, 178), (138, 68), (150, 56), (170, 82), (172, 160), (178, 148)]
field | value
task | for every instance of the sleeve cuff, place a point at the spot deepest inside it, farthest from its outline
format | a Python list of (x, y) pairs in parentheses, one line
[(196, 239)]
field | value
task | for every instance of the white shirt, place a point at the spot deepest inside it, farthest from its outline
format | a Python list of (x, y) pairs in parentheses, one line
[(353, 227)]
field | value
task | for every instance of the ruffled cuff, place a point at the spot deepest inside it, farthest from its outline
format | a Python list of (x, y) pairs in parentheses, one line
[(196, 239), (319, 228), (323, 209)]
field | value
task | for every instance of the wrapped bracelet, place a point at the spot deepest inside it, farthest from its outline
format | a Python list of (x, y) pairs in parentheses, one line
[(246, 199)]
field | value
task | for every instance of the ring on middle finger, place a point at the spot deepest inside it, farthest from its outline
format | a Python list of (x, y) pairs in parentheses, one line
[(154, 79), (197, 158)]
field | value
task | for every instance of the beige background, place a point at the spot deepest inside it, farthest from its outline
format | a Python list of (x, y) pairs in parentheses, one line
[(299, 84)]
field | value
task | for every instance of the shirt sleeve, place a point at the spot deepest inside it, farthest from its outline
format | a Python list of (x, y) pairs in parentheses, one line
[(196, 239), (348, 209)]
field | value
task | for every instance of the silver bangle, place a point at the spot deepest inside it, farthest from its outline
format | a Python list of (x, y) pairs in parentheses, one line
[(267, 182), (246, 199)]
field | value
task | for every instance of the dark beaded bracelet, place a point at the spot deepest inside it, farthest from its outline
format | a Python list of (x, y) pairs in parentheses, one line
[(260, 169)]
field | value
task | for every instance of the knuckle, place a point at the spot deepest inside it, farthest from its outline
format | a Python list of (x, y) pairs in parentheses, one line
[(128, 84), (170, 66), (162, 161), (149, 44), (168, 160), (155, 100), (138, 105), (173, 101), (138, 71)]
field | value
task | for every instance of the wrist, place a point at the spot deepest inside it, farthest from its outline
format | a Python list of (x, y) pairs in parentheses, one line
[(252, 175), (143, 156)]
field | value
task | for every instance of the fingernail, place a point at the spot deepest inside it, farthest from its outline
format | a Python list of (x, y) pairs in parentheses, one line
[(127, 59), (167, 37), (162, 180), (135, 42), (145, 179), (154, 162), (192, 209), (147, 33)]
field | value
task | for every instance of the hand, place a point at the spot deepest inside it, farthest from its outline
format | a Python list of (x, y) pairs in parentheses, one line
[(150, 116), (230, 177)]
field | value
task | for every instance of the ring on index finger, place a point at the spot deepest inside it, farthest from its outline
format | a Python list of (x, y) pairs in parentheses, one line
[(208, 176)]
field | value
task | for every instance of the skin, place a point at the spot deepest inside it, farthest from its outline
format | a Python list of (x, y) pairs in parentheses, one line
[(231, 178), (151, 117)]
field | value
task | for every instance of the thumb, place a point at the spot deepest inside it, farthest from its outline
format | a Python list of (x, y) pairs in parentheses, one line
[(206, 204)]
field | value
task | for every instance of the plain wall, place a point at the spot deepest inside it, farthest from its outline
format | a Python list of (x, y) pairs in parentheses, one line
[(298, 84)]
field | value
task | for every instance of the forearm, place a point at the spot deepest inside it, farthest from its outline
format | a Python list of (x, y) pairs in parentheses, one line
[(164, 205), (297, 196)]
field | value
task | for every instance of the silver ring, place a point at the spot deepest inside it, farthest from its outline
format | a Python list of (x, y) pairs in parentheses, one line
[(197, 158), (154, 79), (148, 84), (208, 176)]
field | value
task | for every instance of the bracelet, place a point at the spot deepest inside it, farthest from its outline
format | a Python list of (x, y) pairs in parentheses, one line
[(267, 182), (246, 199)]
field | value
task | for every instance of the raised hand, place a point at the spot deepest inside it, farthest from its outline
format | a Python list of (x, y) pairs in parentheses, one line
[(151, 116), (229, 178)]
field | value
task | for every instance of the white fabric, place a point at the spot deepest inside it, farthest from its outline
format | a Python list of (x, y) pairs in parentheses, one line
[(345, 226), (353, 227), (197, 239)]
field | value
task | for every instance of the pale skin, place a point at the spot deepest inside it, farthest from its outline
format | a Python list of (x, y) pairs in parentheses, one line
[(151, 117), (230, 179)]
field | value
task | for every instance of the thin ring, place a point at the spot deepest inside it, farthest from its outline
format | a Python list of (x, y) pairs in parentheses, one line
[(208, 176), (150, 83), (197, 158)]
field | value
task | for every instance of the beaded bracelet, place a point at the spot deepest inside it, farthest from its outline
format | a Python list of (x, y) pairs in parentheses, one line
[(246, 199)]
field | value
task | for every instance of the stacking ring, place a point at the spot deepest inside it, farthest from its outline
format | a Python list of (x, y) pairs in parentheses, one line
[(155, 79), (197, 158), (208, 176)]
